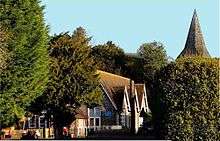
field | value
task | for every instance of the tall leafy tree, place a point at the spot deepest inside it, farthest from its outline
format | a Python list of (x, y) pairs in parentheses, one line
[(109, 57), (27, 75), (73, 79), (154, 56)]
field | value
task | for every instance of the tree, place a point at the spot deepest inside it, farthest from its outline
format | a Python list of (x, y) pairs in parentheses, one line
[(73, 79), (27, 74), (109, 57), (187, 100), (154, 56), (4, 55), (134, 67)]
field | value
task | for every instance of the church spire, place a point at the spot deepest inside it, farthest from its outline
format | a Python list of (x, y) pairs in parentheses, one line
[(195, 45)]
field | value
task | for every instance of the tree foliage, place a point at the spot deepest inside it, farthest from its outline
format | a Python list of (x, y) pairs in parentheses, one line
[(154, 56), (109, 57), (27, 74), (4, 54), (187, 104), (133, 67), (73, 78)]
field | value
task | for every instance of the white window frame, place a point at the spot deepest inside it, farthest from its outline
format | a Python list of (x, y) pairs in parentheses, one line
[(97, 110), (123, 120), (95, 116), (39, 122), (30, 122)]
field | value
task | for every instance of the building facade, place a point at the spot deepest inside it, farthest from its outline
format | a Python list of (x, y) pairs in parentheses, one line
[(115, 113)]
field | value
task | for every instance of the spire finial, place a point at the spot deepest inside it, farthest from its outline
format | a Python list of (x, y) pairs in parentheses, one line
[(194, 13)]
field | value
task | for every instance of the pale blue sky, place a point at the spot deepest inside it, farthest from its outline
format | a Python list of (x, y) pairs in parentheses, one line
[(129, 23)]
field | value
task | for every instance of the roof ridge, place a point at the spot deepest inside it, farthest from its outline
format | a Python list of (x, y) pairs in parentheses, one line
[(119, 76)]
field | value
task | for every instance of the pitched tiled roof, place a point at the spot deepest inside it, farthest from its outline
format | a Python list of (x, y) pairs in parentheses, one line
[(114, 85), (113, 80), (140, 92)]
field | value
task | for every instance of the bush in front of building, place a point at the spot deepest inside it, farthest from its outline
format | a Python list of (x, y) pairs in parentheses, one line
[(187, 103)]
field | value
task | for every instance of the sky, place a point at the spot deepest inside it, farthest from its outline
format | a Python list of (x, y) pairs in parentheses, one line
[(130, 23)]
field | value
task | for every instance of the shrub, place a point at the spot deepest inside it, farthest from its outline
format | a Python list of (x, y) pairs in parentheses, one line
[(187, 103)]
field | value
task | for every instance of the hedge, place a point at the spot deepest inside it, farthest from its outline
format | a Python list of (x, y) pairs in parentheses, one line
[(187, 102)]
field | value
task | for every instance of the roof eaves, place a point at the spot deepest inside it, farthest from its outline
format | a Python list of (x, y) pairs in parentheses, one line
[(114, 105)]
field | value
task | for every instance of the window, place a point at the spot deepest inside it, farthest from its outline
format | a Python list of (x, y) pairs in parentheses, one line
[(95, 116), (97, 111), (97, 122), (94, 121), (42, 122), (32, 122), (91, 112), (108, 114), (123, 120), (91, 121)]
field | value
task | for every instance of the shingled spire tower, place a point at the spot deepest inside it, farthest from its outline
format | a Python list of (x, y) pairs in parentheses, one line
[(195, 45)]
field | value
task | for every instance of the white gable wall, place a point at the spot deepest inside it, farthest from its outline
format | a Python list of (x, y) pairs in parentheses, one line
[(146, 101)]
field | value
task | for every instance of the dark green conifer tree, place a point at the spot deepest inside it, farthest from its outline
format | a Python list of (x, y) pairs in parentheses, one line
[(27, 74)]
